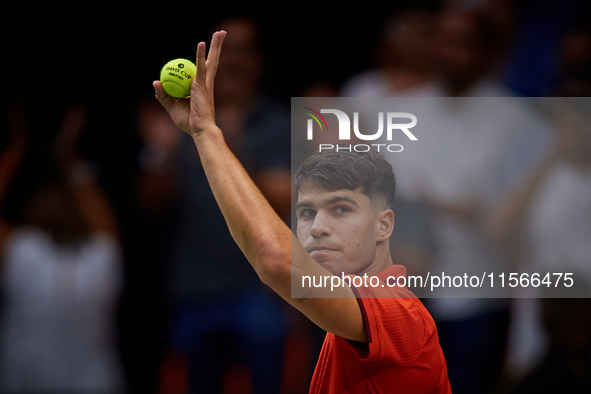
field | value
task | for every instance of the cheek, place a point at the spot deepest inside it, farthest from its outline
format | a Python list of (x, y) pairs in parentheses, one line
[(302, 230), (360, 240), (299, 232), (359, 255)]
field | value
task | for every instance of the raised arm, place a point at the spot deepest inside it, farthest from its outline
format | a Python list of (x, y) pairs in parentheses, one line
[(10, 159), (263, 237), (92, 203)]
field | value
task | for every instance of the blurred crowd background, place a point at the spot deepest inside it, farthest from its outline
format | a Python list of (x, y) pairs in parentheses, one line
[(117, 272)]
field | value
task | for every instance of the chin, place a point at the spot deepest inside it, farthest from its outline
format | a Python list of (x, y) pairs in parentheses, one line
[(334, 267)]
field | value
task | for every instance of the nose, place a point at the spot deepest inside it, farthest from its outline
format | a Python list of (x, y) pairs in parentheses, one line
[(320, 227)]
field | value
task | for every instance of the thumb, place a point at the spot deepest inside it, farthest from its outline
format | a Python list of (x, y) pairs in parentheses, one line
[(164, 98)]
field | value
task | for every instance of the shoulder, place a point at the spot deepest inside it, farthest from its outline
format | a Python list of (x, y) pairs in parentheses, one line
[(27, 238), (396, 321), (26, 250)]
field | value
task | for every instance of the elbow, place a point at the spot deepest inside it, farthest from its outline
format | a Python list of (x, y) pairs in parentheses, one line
[(273, 264)]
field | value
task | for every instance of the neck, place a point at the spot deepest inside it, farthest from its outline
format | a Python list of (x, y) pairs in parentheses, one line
[(382, 260)]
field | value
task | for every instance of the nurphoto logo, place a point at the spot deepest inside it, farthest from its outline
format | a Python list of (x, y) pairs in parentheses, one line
[(392, 125)]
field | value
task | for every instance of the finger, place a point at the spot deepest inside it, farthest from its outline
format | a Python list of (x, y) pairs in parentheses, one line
[(166, 100), (213, 57), (200, 62)]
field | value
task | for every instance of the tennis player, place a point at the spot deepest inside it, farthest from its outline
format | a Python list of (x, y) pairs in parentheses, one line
[(379, 339)]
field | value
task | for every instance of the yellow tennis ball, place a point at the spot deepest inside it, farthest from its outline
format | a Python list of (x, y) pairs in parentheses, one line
[(176, 77)]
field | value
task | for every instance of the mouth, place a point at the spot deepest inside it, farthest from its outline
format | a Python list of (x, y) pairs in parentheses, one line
[(321, 250)]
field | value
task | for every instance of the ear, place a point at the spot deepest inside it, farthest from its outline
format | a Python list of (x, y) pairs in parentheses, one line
[(386, 225)]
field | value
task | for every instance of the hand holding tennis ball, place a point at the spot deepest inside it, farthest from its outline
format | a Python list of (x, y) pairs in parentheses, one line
[(193, 110), (176, 77)]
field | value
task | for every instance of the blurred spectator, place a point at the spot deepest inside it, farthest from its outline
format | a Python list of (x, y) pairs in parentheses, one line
[(551, 201), (404, 67), (532, 67), (223, 318), (61, 278), (319, 89), (574, 64), (453, 176), (160, 140), (565, 367), (449, 181), (404, 60), (146, 201), (12, 156), (467, 46), (549, 211)]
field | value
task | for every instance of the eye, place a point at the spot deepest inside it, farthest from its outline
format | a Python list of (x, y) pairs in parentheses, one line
[(340, 209), (307, 213)]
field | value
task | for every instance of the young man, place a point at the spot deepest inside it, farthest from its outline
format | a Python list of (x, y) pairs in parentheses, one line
[(374, 344)]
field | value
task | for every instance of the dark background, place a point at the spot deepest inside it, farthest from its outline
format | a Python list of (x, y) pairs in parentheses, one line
[(106, 57)]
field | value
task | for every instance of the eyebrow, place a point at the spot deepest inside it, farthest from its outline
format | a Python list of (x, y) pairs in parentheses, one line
[(331, 201)]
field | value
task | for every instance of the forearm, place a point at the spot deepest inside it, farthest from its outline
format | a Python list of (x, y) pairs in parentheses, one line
[(259, 232), (507, 217), (462, 210), (90, 200), (12, 156), (269, 244)]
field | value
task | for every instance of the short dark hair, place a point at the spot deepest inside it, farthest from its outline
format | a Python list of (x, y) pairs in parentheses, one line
[(349, 170)]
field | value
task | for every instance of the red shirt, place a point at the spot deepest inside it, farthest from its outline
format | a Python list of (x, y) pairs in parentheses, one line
[(402, 355)]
